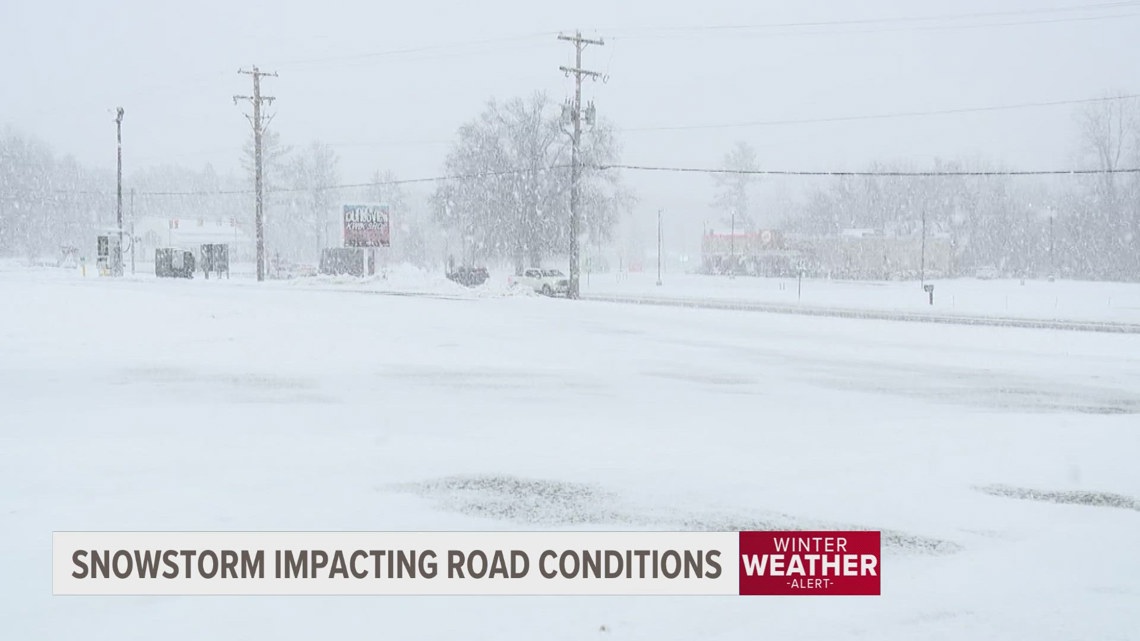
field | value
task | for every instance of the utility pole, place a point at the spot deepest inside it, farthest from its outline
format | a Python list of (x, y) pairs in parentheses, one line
[(258, 130), (117, 259), (580, 43), (659, 247)]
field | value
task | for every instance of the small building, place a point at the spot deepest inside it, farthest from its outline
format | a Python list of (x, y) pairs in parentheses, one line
[(191, 233), (759, 253), (871, 255)]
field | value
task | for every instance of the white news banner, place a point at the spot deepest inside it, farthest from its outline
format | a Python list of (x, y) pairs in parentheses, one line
[(395, 563)]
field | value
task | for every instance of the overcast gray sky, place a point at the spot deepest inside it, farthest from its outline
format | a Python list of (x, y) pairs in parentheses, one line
[(173, 67)]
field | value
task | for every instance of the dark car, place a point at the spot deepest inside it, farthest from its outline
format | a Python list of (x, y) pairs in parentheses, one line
[(469, 276), (342, 261)]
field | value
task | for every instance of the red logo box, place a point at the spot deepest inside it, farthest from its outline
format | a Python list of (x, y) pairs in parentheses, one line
[(810, 563)]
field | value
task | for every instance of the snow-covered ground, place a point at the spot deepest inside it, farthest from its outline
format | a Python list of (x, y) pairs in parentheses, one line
[(1032, 299), (1000, 463)]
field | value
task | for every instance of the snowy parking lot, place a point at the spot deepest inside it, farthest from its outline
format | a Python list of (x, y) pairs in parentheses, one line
[(1001, 464)]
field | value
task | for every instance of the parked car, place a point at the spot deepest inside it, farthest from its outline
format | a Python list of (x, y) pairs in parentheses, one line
[(469, 276), (548, 282), (342, 261)]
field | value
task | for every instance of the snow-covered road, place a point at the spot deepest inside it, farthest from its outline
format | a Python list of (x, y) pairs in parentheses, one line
[(204, 405)]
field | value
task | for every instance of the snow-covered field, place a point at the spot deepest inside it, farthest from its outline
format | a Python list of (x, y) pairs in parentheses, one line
[(1031, 299), (1000, 463)]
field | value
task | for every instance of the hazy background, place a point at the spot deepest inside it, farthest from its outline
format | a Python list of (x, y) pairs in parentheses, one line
[(387, 84)]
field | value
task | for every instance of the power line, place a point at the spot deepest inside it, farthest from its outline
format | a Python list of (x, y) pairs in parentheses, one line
[(629, 167), (287, 190), (776, 172), (338, 145), (883, 116), (407, 181), (1107, 6), (390, 143), (952, 27), (410, 50), (744, 124)]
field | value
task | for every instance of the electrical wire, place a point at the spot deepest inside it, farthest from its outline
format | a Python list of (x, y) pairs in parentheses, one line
[(633, 167), (412, 50), (778, 172), (1106, 6), (883, 116)]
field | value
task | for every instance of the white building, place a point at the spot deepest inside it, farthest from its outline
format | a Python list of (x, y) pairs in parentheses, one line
[(191, 233)]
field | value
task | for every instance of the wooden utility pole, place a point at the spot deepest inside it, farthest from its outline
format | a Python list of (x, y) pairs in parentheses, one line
[(258, 130), (578, 72)]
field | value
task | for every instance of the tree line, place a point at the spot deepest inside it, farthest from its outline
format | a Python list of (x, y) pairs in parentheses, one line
[(508, 198), (1078, 226)]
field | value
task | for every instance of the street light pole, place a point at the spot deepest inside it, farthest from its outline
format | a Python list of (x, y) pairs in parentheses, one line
[(117, 266)]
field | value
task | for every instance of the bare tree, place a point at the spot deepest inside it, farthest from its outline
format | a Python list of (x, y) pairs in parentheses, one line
[(410, 226), (511, 197), (734, 189), (311, 176), (45, 201), (385, 188), (1110, 132), (275, 159)]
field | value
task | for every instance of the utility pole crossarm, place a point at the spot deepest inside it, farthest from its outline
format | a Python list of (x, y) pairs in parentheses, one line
[(257, 72), (580, 40), (580, 72)]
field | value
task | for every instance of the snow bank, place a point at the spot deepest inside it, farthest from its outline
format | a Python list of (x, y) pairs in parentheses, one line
[(410, 279), (1029, 299)]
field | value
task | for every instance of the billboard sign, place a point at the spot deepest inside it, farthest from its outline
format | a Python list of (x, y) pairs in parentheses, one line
[(366, 225)]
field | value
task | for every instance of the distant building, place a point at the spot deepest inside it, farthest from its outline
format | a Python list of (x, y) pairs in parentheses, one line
[(191, 233), (866, 254), (863, 254), (760, 253)]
